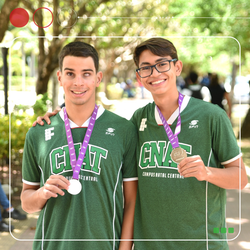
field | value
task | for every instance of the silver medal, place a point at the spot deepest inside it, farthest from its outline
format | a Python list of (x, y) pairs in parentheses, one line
[(75, 187)]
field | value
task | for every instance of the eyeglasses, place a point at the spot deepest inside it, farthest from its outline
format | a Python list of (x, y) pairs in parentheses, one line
[(161, 67)]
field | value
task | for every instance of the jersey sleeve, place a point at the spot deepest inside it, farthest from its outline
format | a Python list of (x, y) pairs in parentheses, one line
[(225, 144), (130, 162), (30, 169)]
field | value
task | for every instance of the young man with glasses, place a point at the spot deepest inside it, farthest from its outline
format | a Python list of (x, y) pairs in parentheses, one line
[(187, 157)]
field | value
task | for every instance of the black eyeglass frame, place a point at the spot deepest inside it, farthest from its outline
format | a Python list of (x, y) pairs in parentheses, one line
[(154, 66)]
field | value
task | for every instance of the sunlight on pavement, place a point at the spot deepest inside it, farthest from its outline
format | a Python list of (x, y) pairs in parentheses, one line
[(244, 244), (237, 221)]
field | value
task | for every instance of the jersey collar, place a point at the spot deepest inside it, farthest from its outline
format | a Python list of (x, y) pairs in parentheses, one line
[(175, 114), (86, 123)]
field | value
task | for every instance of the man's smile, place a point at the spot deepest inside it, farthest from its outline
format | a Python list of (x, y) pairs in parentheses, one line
[(78, 92), (158, 82)]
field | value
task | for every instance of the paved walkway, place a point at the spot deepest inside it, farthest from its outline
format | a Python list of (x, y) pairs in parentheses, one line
[(238, 205), (241, 238)]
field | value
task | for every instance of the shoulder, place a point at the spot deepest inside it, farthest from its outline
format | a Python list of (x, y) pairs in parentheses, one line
[(39, 130), (143, 114), (123, 128), (114, 119), (144, 111), (206, 109)]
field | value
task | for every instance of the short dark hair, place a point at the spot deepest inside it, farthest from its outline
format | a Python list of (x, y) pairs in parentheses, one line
[(193, 76), (79, 49), (158, 46)]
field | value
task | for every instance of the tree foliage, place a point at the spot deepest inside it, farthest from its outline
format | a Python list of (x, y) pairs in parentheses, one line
[(108, 24), (87, 21), (220, 18)]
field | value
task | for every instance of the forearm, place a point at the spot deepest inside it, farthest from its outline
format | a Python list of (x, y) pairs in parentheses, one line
[(233, 176), (227, 178), (127, 227), (32, 201), (129, 189)]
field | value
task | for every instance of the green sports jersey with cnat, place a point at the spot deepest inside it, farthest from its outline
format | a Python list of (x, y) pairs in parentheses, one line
[(173, 212), (92, 219)]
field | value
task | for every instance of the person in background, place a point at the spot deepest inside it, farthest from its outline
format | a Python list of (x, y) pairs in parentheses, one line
[(206, 79), (127, 88), (141, 88), (218, 93), (192, 86), (8, 211)]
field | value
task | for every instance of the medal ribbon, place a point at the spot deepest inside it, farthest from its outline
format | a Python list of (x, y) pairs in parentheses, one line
[(76, 165), (171, 136)]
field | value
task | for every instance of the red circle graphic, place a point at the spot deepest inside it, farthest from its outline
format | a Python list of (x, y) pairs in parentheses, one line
[(19, 17), (49, 23)]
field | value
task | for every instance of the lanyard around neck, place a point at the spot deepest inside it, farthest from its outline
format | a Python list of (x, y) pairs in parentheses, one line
[(171, 136), (76, 165)]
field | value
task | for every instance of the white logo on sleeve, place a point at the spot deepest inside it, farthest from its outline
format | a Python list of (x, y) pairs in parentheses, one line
[(48, 133), (110, 131), (193, 124), (143, 124)]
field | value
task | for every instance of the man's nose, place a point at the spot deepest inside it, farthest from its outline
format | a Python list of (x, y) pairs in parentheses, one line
[(78, 80)]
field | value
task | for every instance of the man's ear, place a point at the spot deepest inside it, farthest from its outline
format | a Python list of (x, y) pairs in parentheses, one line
[(59, 76), (178, 67), (138, 78), (99, 78)]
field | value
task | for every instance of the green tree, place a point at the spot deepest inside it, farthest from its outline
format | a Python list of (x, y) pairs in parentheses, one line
[(6, 7), (87, 20), (221, 18)]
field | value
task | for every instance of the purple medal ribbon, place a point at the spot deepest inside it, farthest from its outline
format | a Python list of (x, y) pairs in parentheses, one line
[(76, 165), (173, 137)]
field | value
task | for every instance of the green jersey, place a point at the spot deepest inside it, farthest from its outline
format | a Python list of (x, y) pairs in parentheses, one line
[(93, 218), (173, 212)]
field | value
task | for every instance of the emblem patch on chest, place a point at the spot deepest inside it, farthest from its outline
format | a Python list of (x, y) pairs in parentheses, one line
[(143, 124)]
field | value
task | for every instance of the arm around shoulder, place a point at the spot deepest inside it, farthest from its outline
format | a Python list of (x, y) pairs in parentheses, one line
[(46, 117)]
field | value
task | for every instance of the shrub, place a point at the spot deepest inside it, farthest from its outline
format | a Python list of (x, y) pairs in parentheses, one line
[(20, 125)]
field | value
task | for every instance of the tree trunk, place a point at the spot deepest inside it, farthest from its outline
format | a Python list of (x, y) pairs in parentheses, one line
[(5, 78), (7, 7), (108, 73), (234, 71), (245, 128), (55, 91), (42, 84), (48, 66)]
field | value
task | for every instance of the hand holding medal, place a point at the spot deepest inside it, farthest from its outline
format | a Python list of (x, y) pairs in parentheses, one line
[(75, 186), (54, 186), (194, 166), (178, 153)]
